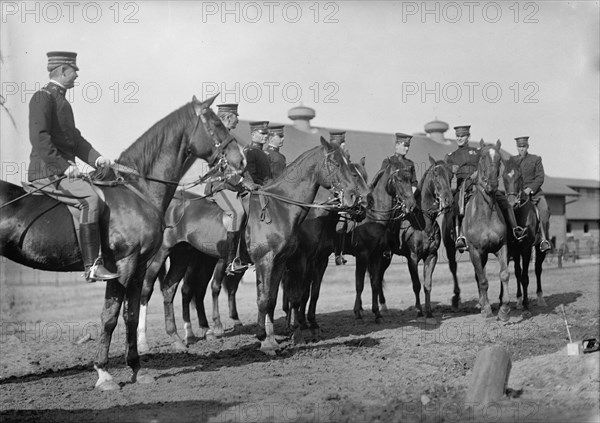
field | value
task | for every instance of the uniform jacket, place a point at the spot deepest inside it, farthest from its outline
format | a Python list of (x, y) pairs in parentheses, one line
[(258, 165), (54, 138), (467, 159), (276, 160), (533, 173), (399, 162)]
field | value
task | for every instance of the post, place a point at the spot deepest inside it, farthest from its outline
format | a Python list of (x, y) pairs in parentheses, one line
[(490, 376)]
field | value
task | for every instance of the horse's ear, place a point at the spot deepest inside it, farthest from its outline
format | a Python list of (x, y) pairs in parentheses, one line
[(481, 143), (325, 144), (498, 144), (431, 160), (362, 161), (209, 101)]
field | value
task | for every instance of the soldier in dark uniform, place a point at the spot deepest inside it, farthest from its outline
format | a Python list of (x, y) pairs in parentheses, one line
[(401, 162), (276, 159), (55, 143), (532, 170), (258, 165), (339, 138), (226, 195), (464, 161)]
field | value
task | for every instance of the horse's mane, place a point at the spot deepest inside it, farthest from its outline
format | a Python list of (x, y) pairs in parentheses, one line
[(144, 151)]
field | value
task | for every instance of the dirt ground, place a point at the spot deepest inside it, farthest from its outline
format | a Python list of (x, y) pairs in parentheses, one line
[(399, 371)]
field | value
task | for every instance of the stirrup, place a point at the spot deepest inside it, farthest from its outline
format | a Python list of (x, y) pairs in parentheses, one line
[(340, 260), (545, 246), (517, 230), (97, 272), (461, 244), (387, 254), (236, 266)]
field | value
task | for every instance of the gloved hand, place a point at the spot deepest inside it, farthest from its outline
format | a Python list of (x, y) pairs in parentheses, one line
[(72, 172), (103, 161), (250, 186), (454, 168), (527, 191)]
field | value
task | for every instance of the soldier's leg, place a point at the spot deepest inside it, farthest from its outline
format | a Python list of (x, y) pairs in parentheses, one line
[(232, 208), (340, 237), (544, 216), (461, 241), (509, 213), (78, 193)]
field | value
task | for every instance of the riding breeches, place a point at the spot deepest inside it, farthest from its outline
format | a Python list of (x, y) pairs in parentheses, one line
[(74, 192), (540, 201), (231, 205)]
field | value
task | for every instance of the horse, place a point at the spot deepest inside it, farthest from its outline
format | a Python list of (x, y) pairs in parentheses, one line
[(37, 231), (274, 214), (485, 229), (390, 196), (420, 233), (520, 251)]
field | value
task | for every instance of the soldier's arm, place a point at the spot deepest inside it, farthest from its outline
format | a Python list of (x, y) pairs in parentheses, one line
[(40, 128), (251, 162), (84, 149), (538, 178), (414, 182)]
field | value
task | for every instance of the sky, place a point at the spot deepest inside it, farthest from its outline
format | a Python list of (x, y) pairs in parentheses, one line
[(507, 68)]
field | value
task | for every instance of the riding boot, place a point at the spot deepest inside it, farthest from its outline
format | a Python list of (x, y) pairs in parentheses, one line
[(518, 231), (234, 263), (339, 247), (461, 241), (90, 248)]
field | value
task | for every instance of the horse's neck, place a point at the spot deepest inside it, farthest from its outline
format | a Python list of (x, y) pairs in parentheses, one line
[(382, 202), (483, 201), (302, 189)]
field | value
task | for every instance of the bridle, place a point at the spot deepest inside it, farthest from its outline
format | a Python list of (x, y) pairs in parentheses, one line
[(218, 156), (436, 206)]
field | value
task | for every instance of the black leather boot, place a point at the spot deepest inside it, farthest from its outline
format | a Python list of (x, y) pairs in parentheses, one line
[(90, 248), (234, 263), (339, 247)]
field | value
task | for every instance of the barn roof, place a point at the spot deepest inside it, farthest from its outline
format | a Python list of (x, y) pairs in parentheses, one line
[(583, 209)]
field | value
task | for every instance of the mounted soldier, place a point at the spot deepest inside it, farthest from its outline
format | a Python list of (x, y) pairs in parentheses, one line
[(55, 143), (276, 159), (532, 170), (464, 161), (402, 163), (339, 138), (226, 195), (258, 165)]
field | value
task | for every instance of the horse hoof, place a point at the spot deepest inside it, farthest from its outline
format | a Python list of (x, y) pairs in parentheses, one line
[(191, 340), (420, 314), (218, 331), (143, 347), (487, 312), (268, 347), (107, 385), (178, 346), (379, 320), (430, 321), (298, 339), (237, 324), (383, 307), (504, 314), (541, 302), (455, 303), (143, 377), (526, 314), (210, 335), (519, 306)]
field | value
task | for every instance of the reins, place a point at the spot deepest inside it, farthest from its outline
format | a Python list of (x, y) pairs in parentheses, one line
[(14, 200)]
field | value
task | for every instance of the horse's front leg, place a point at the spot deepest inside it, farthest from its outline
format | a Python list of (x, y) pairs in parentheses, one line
[(412, 261), (502, 255), (232, 284), (266, 304), (376, 286), (479, 260), (428, 268), (113, 298), (525, 280), (451, 252), (131, 314), (178, 268), (155, 269), (359, 277), (519, 277), (318, 270)]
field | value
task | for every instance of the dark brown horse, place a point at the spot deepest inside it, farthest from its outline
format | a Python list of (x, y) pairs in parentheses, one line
[(419, 233), (485, 228), (527, 218), (38, 231), (274, 215), (391, 196)]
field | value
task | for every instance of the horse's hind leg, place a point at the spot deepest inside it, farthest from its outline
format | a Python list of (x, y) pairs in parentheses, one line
[(359, 275), (502, 255), (525, 279), (231, 285), (451, 251), (539, 261), (416, 283), (519, 278), (155, 269), (376, 287), (113, 298), (180, 257), (318, 270)]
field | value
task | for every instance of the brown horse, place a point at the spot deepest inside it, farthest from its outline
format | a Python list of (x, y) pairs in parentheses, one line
[(485, 228), (274, 215), (38, 231), (420, 233), (520, 251), (391, 196)]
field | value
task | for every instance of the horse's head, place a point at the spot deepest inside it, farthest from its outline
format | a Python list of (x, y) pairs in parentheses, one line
[(344, 180), (399, 186), (488, 169), (438, 176), (211, 140), (513, 181)]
